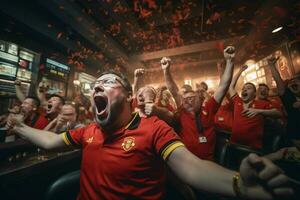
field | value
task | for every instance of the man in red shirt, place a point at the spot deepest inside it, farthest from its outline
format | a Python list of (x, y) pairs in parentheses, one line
[(195, 118), (123, 155), (248, 114), (29, 110)]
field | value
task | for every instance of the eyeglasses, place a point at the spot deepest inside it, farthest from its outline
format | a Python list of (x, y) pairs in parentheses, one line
[(189, 98), (107, 82)]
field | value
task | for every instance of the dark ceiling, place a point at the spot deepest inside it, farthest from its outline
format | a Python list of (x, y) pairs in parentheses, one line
[(95, 35)]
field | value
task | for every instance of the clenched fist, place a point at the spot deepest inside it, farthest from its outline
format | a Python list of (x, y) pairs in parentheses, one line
[(139, 72), (229, 53), (165, 63)]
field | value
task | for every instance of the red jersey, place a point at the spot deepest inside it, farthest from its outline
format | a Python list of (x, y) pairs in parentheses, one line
[(224, 117), (248, 130), (276, 103), (128, 164), (191, 136), (38, 122)]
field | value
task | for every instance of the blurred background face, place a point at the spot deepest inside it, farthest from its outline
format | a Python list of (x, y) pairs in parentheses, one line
[(28, 107), (54, 105), (190, 101), (166, 95), (248, 93), (294, 86), (145, 95), (263, 92), (68, 113)]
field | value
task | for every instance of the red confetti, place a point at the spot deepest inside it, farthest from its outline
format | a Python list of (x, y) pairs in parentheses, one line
[(59, 35), (220, 46)]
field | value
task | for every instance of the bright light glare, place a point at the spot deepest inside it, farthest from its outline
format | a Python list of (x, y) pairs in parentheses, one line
[(277, 29)]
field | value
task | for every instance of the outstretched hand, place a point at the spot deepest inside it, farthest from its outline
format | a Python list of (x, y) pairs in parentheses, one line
[(261, 179), (14, 120), (165, 63)]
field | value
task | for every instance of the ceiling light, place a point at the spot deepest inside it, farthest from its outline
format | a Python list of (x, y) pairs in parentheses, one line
[(277, 29)]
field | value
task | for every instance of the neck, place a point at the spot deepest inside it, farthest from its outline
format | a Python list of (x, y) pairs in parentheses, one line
[(30, 116), (122, 120)]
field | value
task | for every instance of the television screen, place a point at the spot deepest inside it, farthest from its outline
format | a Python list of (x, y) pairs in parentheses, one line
[(7, 70)]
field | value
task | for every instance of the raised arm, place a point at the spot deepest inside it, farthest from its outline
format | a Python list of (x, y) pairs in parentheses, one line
[(19, 92), (259, 178), (138, 73), (171, 85), (235, 78), (41, 93), (279, 82), (226, 78), (44, 139)]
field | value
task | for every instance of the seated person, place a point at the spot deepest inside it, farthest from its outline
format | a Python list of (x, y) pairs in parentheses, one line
[(290, 97), (249, 114), (66, 120)]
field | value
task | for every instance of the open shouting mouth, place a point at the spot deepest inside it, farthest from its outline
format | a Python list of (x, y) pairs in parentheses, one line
[(101, 103)]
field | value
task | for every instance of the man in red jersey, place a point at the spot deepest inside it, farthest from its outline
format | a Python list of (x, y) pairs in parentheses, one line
[(124, 155), (195, 118), (30, 114), (248, 114)]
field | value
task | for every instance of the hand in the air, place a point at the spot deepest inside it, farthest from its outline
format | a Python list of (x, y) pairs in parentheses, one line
[(229, 53), (165, 63), (139, 72)]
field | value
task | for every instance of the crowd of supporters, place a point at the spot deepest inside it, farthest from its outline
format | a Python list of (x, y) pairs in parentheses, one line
[(252, 118)]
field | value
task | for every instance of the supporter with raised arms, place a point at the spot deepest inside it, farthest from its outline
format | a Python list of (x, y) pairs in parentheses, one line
[(195, 118), (123, 154), (248, 114)]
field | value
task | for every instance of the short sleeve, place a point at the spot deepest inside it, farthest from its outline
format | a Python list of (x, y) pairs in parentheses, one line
[(165, 140), (74, 137)]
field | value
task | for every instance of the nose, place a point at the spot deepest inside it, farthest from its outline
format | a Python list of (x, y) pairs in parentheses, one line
[(98, 88)]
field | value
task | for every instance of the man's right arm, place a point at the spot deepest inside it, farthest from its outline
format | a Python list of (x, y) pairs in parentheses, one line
[(20, 95), (43, 139), (138, 73), (279, 82), (171, 85)]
